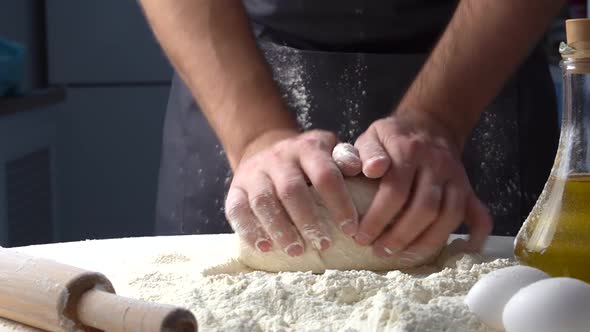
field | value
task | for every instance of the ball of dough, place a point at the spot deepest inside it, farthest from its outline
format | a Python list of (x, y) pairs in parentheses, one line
[(343, 254)]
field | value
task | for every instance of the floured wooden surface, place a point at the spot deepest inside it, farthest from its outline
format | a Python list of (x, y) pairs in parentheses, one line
[(170, 270)]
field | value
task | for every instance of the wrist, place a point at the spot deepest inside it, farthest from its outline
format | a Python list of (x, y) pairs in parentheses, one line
[(262, 141), (452, 120), (437, 125)]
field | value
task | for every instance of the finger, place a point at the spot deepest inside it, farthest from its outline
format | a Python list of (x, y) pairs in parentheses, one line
[(243, 221), (328, 181), (436, 236), (374, 158), (273, 218), (347, 158), (422, 209), (479, 222), (392, 194), (296, 198)]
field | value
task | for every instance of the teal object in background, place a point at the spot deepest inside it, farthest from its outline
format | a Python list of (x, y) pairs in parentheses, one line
[(11, 68)]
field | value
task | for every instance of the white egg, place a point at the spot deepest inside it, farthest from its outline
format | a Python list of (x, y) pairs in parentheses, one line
[(486, 299), (556, 304)]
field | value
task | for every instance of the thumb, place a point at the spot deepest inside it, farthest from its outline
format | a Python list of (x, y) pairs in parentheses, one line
[(347, 158)]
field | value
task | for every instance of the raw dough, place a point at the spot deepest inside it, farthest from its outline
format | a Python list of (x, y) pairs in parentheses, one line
[(344, 254)]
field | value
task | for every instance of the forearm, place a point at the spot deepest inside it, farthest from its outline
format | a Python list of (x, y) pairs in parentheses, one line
[(483, 44), (210, 44)]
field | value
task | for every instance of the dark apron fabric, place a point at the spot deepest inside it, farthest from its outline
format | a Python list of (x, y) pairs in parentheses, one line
[(362, 26), (508, 157)]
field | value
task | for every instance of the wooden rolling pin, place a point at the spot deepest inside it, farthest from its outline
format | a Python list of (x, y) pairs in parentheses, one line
[(57, 297)]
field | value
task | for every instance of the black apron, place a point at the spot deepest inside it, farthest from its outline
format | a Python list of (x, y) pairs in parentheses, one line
[(508, 157)]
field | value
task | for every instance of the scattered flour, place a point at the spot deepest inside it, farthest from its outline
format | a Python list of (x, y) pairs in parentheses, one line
[(353, 81), (171, 258), (288, 71), (425, 299)]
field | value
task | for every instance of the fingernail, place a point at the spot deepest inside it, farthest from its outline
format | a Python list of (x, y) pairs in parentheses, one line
[(375, 160), (388, 251), (321, 243), (349, 227), (362, 238), (294, 249), (263, 245)]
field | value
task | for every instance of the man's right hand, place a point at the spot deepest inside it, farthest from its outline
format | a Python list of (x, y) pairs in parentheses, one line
[(269, 202)]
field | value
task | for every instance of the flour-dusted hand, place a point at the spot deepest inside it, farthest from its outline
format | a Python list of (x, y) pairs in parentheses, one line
[(424, 192), (269, 201)]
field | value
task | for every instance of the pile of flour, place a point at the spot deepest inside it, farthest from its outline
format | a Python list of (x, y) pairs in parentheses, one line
[(186, 271), (425, 299)]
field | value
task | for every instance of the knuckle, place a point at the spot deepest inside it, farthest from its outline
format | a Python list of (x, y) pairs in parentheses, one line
[(390, 140), (414, 146), (327, 176), (323, 135), (236, 209), (285, 235), (370, 148), (318, 139), (262, 201), (236, 204), (275, 155), (245, 229), (309, 142), (290, 189), (330, 138)]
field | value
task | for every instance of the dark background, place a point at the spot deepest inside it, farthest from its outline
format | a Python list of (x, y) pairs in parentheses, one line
[(80, 149)]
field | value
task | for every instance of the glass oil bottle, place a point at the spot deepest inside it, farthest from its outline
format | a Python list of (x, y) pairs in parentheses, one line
[(556, 235)]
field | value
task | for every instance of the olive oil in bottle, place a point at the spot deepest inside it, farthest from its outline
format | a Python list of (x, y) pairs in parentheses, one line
[(556, 236)]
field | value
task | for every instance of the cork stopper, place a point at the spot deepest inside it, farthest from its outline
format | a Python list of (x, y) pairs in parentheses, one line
[(577, 31)]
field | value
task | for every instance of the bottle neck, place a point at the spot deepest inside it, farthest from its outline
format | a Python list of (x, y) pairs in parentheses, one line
[(574, 149)]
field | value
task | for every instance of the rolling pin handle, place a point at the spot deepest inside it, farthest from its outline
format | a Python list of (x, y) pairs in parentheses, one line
[(109, 312)]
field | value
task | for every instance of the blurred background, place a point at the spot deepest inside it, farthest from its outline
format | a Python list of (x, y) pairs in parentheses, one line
[(83, 92), (80, 139)]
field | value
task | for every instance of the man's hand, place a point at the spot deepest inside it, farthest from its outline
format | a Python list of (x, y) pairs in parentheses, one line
[(269, 201), (424, 194), (416, 152)]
